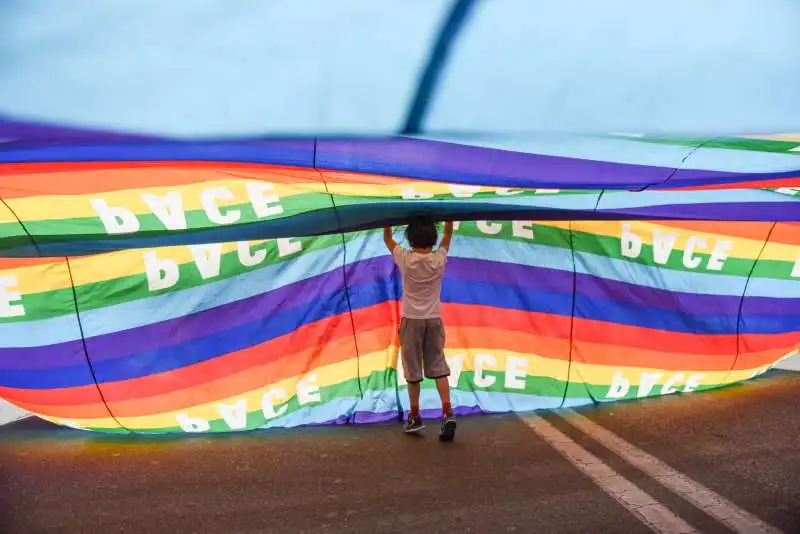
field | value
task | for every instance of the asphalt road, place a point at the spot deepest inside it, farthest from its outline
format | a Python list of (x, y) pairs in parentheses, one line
[(499, 476)]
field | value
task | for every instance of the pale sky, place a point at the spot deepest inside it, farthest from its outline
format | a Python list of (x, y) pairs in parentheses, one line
[(217, 67)]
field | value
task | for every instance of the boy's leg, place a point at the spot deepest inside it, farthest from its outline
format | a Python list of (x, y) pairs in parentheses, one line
[(411, 345), (436, 367), (443, 387), (414, 389)]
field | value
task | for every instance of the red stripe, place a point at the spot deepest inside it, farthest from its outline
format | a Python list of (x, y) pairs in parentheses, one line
[(22, 180), (791, 181)]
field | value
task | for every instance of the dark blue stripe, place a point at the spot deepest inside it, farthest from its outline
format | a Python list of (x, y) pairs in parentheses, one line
[(770, 324), (298, 152), (612, 311)]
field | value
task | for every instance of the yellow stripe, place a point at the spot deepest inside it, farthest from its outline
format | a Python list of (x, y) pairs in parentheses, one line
[(775, 137), (87, 270), (7, 217), (49, 207), (40, 278), (103, 267), (420, 186), (604, 374)]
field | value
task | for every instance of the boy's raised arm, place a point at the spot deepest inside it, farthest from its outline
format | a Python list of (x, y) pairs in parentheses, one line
[(448, 236), (388, 239)]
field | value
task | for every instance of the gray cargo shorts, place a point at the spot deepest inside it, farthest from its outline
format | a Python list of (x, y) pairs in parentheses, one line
[(422, 349)]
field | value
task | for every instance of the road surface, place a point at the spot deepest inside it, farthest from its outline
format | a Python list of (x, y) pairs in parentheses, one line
[(547, 472)]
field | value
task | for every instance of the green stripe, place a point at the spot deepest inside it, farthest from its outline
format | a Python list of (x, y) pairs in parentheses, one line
[(126, 289), (92, 229), (732, 143), (384, 381)]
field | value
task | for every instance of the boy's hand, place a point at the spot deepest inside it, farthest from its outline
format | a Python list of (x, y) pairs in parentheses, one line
[(388, 239), (448, 236)]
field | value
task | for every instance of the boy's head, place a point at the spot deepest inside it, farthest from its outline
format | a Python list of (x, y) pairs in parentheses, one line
[(422, 234)]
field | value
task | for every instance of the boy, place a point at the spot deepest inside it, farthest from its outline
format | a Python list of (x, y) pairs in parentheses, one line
[(421, 330)]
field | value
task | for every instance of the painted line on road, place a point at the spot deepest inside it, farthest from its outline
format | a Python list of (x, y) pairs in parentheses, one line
[(649, 511), (700, 496)]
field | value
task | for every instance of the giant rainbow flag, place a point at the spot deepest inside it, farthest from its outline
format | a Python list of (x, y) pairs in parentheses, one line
[(162, 286)]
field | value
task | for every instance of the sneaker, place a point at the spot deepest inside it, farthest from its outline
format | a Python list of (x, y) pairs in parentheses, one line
[(414, 424), (448, 428)]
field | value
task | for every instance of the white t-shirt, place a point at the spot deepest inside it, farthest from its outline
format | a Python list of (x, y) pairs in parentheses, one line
[(422, 281)]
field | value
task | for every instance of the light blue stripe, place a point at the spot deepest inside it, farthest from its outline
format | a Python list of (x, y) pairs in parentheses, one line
[(315, 414), (528, 254), (633, 151), (487, 401), (658, 277), (40, 333), (626, 199), (770, 287)]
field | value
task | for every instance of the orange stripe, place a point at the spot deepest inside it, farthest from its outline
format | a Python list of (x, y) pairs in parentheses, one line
[(18, 263), (748, 230), (613, 355), (784, 233), (20, 180), (79, 411), (787, 233), (752, 360)]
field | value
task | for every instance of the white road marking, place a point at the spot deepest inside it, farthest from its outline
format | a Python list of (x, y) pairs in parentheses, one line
[(703, 498), (640, 504)]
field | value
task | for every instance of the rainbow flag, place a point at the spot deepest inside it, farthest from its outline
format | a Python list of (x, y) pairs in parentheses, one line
[(158, 286)]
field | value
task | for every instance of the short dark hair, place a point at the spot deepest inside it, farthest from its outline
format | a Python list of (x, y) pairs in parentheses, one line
[(422, 234)]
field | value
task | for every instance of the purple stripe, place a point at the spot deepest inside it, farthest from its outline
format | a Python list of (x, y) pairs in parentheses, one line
[(431, 159), (40, 131), (205, 323), (44, 357), (511, 274), (432, 414), (590, 286)]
